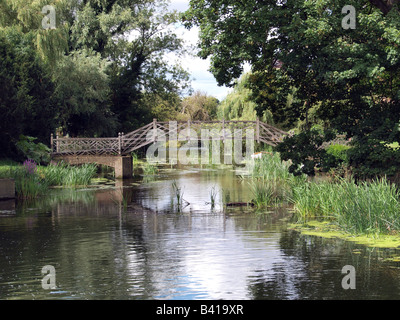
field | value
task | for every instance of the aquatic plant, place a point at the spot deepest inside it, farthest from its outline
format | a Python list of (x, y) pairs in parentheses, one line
[(63, 174), (149, 169), (271, 182), (213, 196), (178, 193), (28, 184), (180, 202), (30, 166), (368, 207), (263, 192)]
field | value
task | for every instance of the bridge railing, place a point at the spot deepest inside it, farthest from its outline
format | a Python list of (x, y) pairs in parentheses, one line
[(91, 146)]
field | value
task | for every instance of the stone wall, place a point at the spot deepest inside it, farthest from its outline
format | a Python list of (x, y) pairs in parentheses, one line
[(122, 165), (7, 189)]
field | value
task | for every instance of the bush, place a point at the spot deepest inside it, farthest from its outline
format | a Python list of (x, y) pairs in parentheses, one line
[(370, 158), (306, 153), (38, 152), (339, 152)]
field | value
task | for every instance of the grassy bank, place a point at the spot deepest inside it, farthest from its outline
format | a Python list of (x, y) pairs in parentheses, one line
[(363, 208), (357, 208), (32, 180)]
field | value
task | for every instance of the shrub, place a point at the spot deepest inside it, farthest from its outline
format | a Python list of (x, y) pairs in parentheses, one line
[(339, 152), (38, 152)]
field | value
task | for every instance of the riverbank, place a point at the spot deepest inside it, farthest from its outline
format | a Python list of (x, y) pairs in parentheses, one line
[(32, 180)]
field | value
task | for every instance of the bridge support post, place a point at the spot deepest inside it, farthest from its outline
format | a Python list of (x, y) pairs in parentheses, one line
[(123, 167)]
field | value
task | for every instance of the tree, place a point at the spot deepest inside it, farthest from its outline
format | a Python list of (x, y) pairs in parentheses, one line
[(199, 107), (26, 104), (135, 37), (238, 105), (82, 95), (105, 61), (349, 77), (26, 17)]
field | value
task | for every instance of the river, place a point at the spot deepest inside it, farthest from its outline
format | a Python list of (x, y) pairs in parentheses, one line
[(132, 240)]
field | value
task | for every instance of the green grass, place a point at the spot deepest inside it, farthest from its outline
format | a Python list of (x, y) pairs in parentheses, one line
[(263, 192), (149, 169)]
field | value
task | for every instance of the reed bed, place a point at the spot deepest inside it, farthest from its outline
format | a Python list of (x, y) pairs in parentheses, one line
[(366, 207), (32, 180), (271, 182), (68, 176)]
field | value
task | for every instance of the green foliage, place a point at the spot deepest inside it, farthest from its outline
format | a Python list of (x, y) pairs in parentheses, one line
[(199, 107), (306, 152), (25, 17), (338, 151), (38, 152), (238, 104), (371, 158), (26, 105), (82, 94), (97, 73), (304, 62)]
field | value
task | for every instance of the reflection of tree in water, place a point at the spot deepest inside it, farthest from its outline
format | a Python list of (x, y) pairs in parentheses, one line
[(312, 270)]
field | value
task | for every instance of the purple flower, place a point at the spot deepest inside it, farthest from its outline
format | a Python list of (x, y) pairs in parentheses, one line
[(30, 166)]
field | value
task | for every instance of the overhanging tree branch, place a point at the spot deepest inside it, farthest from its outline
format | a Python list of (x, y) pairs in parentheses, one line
[(384, 6)]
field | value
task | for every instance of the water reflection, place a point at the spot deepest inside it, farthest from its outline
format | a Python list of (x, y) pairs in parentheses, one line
[(127, 242)]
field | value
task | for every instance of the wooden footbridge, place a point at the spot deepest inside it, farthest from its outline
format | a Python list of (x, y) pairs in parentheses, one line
[(116, 151)]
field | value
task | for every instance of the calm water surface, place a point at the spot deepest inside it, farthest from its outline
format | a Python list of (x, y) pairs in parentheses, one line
[(132, 242)]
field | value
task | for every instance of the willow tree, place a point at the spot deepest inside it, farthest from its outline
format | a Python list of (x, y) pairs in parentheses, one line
[(135, 37), (32, 18), (106, 59)]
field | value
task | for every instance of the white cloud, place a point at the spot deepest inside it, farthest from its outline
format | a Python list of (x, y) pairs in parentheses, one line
[(203, 80)]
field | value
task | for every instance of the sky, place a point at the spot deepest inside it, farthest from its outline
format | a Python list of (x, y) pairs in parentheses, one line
[(202, 79)]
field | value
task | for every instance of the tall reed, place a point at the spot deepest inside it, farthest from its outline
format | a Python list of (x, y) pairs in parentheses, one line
[(178, 195), (271, 182), (69, 176), (369, 207), (263, 192), (213, 196)]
